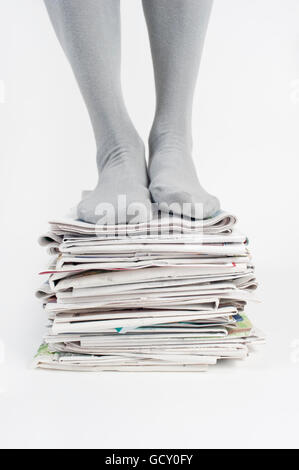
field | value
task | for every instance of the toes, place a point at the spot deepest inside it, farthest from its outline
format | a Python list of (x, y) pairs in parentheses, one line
[(139, 212), (157, 191), (110, 214), (85, 213), (198, 207), (211, 207)]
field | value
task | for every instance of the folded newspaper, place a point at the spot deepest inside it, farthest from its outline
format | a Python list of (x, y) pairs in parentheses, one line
[(169, 295)]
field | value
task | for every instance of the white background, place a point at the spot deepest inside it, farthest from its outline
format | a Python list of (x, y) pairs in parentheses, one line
[(246, 148)]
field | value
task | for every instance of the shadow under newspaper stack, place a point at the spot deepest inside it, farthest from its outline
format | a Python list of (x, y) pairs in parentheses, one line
[(169, 295)]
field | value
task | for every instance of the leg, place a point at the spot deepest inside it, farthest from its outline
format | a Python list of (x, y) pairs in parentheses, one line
[(89, 32), (177, 30)]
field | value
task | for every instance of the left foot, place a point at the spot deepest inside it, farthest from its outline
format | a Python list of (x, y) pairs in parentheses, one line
[(173, 180)]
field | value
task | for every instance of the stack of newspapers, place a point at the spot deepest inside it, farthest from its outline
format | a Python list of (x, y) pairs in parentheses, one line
[(168, 295)]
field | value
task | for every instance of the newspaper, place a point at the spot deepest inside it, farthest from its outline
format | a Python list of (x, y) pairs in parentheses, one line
[(161, 224), (149, 352), (168, 295)]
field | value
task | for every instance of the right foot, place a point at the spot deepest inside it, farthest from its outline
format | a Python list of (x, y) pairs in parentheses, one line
[(122, 186)]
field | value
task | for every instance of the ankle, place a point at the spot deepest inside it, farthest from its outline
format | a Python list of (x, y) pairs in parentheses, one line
[(163, 137), (120, 150)]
